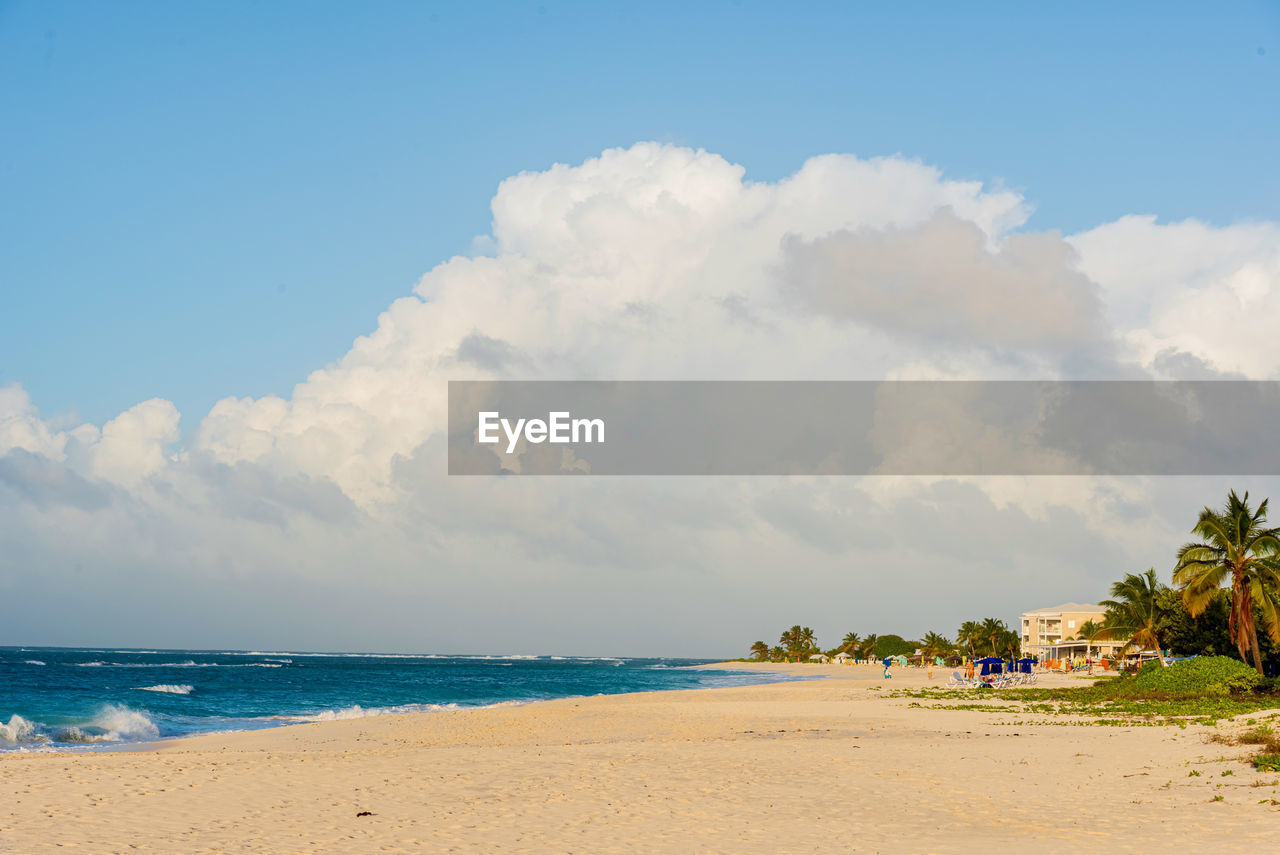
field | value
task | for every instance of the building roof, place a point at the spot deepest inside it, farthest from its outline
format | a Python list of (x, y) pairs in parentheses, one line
[(1067, 607)]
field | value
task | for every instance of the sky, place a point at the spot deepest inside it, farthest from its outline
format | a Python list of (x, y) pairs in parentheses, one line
[(245, 244)]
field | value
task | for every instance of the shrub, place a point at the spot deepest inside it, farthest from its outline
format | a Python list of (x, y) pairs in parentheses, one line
[(1263, 735), (1204, 676), (1267, 762)]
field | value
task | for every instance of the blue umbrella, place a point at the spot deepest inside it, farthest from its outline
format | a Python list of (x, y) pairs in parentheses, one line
[(991, 665)]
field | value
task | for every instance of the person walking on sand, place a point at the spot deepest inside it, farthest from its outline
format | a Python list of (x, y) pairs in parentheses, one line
[(887, 663)]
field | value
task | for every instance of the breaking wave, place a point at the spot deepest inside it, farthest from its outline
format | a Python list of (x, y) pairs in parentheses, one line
[(112, 723), (168, 688), (19, 731)]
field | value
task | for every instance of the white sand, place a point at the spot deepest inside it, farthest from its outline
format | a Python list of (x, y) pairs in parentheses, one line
[(824, 766)]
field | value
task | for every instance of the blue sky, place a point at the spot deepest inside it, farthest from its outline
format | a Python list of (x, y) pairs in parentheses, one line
[(210, 199)]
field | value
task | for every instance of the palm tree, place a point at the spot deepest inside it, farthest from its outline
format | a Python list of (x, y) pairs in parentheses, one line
[(969, 635), (760, 651), (932, 645), (850, 643), (1091, 631), (935, 644), (777, 654), (798, 640), (1134, 611), (1007, 643), (1237, 547), (868, 646), (790, 641), (992, 630)]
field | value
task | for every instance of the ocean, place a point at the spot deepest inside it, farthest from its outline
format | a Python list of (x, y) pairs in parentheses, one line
[(61, 698)]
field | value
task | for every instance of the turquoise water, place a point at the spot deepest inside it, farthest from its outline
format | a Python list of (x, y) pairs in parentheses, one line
[(60, 698)]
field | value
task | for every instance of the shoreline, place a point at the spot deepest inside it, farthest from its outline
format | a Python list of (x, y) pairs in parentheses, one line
[(276, 722), (805, 765)]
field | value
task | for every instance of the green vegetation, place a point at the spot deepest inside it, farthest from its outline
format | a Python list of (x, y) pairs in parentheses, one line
[(894, 645), (1135, 611), (1092, 632), (1267, 762), (1196, 691), (1236, 549), (935, 644), (1202, 677)]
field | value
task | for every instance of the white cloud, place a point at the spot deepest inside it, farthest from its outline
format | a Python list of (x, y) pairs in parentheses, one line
[(133, 444), (652, 262), (643, 263), (1211, 293), (21, 425)]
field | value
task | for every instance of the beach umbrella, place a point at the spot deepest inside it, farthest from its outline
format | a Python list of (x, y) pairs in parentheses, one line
[(990, 665)]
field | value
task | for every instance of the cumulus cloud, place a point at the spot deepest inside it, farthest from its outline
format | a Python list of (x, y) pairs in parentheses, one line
[(1210, 293), (650, 262), (21, 426), (941, 284), (132, 445)]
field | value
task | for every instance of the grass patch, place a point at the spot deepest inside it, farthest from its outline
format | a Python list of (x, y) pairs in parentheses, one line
[(1197, 691), (1267, 762)]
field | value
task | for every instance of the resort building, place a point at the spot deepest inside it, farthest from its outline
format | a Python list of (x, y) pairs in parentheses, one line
[(1054, 633)]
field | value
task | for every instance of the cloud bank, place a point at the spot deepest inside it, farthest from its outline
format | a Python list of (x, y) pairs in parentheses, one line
[(324, 519)]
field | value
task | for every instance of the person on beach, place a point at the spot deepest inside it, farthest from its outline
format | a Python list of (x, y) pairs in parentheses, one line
[(887, 675)]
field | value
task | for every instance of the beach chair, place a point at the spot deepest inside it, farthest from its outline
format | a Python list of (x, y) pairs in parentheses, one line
[(957, 680)]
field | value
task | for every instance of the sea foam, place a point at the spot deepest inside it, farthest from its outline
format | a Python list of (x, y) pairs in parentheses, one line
[(19, 731), (187, 664), (358, 711), (113, 723)]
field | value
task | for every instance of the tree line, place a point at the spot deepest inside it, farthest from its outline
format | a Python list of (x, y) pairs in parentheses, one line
[(989, 637), (1225, 586)]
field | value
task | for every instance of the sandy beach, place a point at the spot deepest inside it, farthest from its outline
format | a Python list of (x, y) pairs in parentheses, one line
[(830, 765)]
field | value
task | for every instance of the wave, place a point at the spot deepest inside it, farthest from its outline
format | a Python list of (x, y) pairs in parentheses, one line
[(112, 723), (188, 664), (19, 731), (167, 688), (357, 711), (335, 655), (461, 656), (32, 662)]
